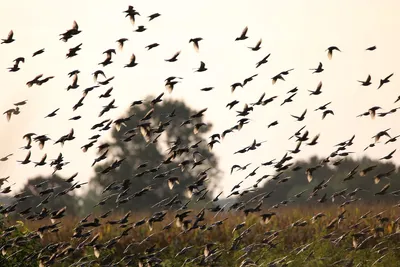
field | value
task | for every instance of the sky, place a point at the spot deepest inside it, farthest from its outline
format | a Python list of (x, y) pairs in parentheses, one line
[(296, 33)]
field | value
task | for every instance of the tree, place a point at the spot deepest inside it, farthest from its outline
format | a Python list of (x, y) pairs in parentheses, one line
[(152, 150), (56, 199), (298, 181)]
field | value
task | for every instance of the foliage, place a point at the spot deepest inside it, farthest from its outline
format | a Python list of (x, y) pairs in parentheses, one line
[(137, 151), (287, 245), (298, 180)]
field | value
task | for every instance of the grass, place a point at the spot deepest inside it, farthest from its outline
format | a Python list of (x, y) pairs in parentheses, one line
[(277, 240)]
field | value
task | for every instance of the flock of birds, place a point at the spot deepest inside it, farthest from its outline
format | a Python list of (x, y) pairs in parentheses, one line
[(185, 219)]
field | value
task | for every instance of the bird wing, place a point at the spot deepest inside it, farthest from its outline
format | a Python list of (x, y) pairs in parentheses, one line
[(75, 25), (38, 77), (330, 54), (196, 45), (319, 86), (8, 115), (176, 55), (133, 58), (28, 156), (388, 77), (244, 32)]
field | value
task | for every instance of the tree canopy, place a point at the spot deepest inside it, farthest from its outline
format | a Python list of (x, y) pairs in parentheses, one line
[(161, 148), (364, 175)]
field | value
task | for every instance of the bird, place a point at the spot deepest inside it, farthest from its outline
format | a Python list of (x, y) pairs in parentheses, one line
[(385, 80), (17, 61), (319, 69), (151, 46), (21, 103), (366, 82), (5, 158), (243, 35), (9, 38), (74, 84), (326, 112), (195, 42), (38, 52), (71, 32), (202, 67), (153, 16), (27, 159), (388, 156), (249, 79), (257, 46), (132, 62), (10, 112), (97, 73), (174, 57), (371, 48), (372, 111), (323, 107), (380, 134), (301, 117), (131, 13), (53, 113), (277, 77), (316, 91), (108, 59), (121, 42), (289, 99), (263, 61), (140, 28), (235, 85), (331, 49)]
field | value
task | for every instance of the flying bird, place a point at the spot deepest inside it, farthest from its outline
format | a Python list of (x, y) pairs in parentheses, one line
[(301, 117), (330, 51), (319, 69), (385, 80), (202, 67), (174, 57), (132, 62), (121, 43), (317, 91), (9, 38), (263, 61), (195, 42), (243, 35), (153, 16), (257, 46), (151, 46), (366, 82), (40, 51)]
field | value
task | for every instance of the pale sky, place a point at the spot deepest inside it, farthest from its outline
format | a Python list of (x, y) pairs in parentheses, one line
[(296, 33)]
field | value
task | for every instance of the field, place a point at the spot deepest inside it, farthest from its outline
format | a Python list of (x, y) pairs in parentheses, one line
[(291, 238)]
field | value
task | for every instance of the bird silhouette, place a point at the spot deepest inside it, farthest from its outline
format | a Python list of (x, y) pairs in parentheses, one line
[(242, 35), (9, 38), (195, 42), (385, 80), (331, 49)]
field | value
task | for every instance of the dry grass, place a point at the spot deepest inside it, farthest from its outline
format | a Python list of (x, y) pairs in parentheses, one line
[(290, 238)]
